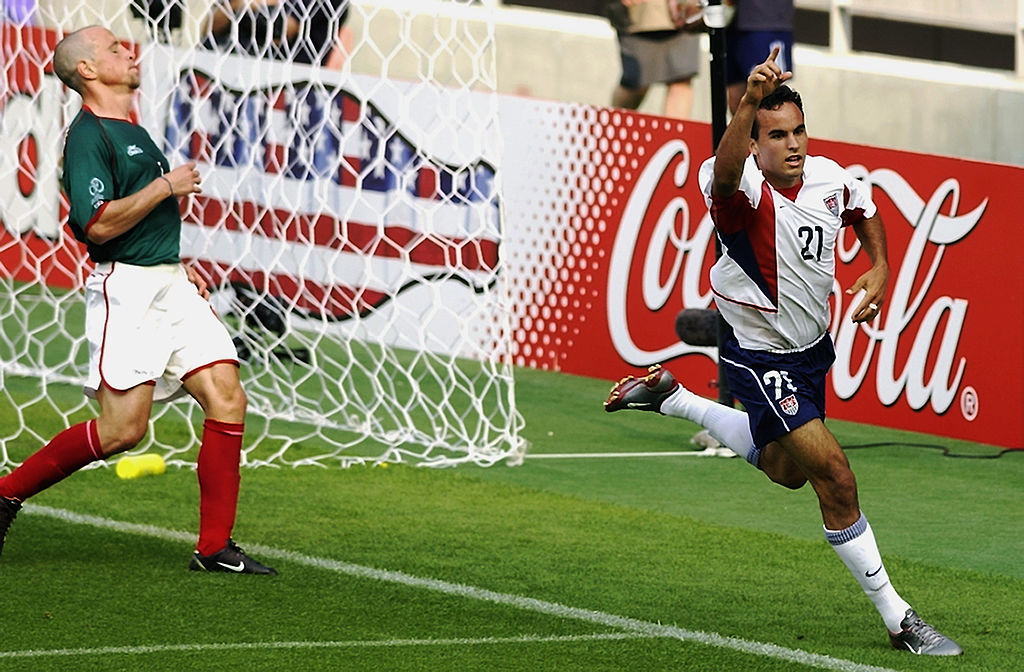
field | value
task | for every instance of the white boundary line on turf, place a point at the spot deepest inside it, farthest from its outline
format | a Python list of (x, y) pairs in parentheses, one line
[(353, 644), (526, 603), (708, 452)]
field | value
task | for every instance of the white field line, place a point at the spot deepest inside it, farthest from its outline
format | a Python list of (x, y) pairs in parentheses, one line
[(352, 644), (709, 452), (631, 625)]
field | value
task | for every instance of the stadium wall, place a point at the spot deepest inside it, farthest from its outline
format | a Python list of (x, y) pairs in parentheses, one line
[(893, 102), (883, 101)]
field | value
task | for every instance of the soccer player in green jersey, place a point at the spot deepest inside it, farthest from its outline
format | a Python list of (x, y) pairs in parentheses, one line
[(152, 334)]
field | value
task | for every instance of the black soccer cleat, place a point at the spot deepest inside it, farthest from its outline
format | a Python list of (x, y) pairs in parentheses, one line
[(230, 559), (9, 508), (642, 394), (920, 638)]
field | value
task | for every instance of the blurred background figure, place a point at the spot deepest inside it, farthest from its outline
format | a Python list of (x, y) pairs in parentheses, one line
[(301, 31), (658, 44), (20, 12), (757, 27)]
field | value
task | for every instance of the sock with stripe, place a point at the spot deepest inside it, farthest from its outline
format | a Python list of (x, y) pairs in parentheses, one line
[(219, 478), (857, 548), (65, 454)]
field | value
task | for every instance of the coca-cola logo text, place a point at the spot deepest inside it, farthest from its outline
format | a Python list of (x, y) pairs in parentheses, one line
[(930, 372)]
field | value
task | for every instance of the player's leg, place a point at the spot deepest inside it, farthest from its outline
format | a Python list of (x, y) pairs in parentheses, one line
[(218, 390), (815, 450), (121, 424), (660, 392)]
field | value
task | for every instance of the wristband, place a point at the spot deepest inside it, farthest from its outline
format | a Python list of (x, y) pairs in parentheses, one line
[(169, 185)]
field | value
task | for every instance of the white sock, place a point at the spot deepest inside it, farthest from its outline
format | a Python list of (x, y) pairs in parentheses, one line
[(729, 425), (857, 549)]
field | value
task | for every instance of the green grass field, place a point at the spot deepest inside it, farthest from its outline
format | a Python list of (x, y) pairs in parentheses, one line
[(602, 563)]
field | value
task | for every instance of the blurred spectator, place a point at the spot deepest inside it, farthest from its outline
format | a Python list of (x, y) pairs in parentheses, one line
[(20, 12), (302, 31), (658, 43), (161, 17), (757, 27)]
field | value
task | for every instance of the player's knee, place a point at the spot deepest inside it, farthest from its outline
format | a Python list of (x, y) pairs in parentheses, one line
[(778, 466), (791, 481), (229, 402), (123, 436), (841, 485)]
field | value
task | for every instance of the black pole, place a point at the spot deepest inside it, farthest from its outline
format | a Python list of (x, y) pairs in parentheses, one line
[(714, 19)]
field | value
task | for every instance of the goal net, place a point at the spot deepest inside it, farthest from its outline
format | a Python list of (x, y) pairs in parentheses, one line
[(350, 224)]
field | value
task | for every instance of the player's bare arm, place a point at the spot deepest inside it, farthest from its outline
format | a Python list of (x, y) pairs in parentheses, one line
[(122, 214), (735, 143), (871, 234)]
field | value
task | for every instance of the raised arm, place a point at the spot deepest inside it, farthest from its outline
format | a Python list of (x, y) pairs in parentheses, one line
[(735, 143)]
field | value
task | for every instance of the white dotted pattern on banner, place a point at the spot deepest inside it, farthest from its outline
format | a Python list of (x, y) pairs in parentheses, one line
[(579, 174)]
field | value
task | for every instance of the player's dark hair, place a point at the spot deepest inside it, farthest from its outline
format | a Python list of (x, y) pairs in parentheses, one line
[(774, 101)]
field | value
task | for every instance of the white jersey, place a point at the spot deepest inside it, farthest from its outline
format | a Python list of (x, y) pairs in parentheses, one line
[(778, 265)]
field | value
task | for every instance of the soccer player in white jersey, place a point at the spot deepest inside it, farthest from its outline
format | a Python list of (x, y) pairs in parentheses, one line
[(777, 213)]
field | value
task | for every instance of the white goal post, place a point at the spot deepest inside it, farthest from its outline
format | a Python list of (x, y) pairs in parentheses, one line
[(350, 221)]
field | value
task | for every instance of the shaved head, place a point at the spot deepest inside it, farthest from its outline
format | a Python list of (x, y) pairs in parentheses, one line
[(76, 47)]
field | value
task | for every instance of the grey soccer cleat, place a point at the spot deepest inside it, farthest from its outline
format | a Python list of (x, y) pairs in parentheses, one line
[(9, 508), (642, 394), (920, 638)]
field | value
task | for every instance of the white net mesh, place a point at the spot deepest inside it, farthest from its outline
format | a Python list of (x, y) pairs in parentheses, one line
[(350, 221)]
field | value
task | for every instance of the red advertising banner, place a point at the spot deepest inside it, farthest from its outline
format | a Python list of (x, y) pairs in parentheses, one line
[(944, 356)]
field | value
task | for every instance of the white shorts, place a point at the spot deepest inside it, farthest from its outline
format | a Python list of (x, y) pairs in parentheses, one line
[(148, 324)]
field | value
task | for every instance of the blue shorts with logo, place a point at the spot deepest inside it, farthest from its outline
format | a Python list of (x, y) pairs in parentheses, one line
[(746, 49), (779, 391)]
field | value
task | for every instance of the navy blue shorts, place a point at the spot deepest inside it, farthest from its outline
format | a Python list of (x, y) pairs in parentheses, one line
[(779, 392), (745, 50)]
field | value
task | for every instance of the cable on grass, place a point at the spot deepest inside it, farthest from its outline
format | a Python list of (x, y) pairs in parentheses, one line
[(946, 452)]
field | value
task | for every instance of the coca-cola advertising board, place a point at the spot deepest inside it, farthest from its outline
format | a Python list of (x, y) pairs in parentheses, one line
[(622, 241), (605, 238)]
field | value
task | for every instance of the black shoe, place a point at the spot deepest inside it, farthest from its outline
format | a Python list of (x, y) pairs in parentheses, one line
[(918, 637), (9, 508), (229, 559)]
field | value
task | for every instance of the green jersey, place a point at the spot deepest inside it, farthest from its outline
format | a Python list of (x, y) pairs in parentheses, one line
[(108, 159)]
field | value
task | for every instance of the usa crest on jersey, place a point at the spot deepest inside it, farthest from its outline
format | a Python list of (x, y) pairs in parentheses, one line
[(790, 405), (832, 203)]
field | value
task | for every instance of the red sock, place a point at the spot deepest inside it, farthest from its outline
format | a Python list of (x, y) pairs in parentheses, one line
[(65, 454), (217, 468)]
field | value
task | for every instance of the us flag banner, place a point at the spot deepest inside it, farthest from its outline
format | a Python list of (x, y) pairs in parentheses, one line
[(316, 196)]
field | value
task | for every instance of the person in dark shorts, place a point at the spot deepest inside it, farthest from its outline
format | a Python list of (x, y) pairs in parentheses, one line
[(657, 45), (757, 27)]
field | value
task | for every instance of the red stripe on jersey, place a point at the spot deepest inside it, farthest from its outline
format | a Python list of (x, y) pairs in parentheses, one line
[(761, 232), (850, 215), (734, 216), (95, 217)]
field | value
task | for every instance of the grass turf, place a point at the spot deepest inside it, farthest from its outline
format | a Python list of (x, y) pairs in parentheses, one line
[(707, 545)]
